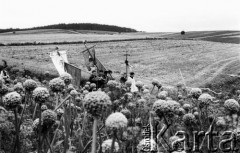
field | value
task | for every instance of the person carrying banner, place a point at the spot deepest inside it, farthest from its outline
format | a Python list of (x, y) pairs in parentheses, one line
[(92, 66)]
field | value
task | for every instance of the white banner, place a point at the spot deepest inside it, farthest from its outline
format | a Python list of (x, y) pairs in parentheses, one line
[(58, 59)]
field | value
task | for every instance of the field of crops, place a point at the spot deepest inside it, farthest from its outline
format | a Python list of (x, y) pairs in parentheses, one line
[(56, 35), (198, 61)]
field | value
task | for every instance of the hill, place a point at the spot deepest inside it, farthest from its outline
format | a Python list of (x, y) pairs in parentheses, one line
[(224, 36), (77, 26)]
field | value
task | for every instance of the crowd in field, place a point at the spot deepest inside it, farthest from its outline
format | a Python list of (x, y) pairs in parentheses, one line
[(106, 115)]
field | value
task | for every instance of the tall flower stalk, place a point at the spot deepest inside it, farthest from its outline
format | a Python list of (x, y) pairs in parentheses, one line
[(95, 103), (40, 96)]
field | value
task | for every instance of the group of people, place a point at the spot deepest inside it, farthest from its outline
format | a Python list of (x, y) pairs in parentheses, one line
[(101, 78), (131, 79)]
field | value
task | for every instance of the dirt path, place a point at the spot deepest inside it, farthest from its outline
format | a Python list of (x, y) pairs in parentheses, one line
[(210, 72)]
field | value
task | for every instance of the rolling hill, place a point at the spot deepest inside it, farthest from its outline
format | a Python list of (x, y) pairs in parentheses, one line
[(75, 27)]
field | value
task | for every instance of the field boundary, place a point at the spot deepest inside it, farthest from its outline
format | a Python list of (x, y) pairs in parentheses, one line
[(81, 42)]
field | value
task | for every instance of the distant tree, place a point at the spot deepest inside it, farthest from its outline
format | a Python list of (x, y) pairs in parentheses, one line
[(182, 32)]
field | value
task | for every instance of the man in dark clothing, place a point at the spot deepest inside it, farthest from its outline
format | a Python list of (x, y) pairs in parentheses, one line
[(94, 78), (123, 79), (102, 79)]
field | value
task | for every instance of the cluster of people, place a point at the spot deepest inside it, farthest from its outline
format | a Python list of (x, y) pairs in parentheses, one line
[(131, 79), (101, 78)]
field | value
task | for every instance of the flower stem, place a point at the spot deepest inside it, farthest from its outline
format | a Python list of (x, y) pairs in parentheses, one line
[(94, 136), (113, 141), (17, 132), (40, 129)]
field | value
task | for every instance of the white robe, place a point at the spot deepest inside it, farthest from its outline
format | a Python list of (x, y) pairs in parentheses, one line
[(133, 86)]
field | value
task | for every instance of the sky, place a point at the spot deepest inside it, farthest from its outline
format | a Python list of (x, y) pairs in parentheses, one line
[(142, 15)]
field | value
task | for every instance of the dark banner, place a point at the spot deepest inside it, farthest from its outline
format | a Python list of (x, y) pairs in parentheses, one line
[(90, 53), (75, 72)]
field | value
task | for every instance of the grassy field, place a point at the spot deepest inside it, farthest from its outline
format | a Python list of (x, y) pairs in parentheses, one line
[(57, 35), (199, 61), (70, 36)]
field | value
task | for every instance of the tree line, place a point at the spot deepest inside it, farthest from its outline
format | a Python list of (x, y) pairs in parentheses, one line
[(77, 26)]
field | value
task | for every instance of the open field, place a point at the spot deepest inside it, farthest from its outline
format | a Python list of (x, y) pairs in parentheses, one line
[(199, 61), (71, 36), (57, 35)]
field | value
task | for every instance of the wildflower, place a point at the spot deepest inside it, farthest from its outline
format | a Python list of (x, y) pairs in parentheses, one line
[(128, 83), (85, 92), (131, 105), (96, 102), (66, 77), (195, 92), (112, 84), (139, 84), (146, 91), (180, 96), (146, 145), (93, 85), (220, 122), (189, 119), (196, 114), (70, 88), (162, 95), (49, 117), (205, 99), (106, 146), (126, 112), (155, 82), (18, 87), (60, 112), (187, 107), (87, 87), (30, 85), (56, 85), (181, 111), (146, 87), (141, 103), (169, 108), (116, 120), (41, 94), (44, 107), (138, 120), (73, 93), (232, 106), (12, 100), (128, 96)]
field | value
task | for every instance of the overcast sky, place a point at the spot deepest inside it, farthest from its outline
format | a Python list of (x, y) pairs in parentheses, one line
[(142, 15)]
